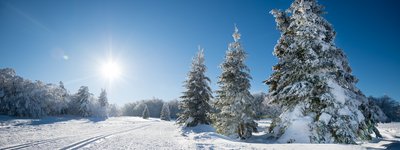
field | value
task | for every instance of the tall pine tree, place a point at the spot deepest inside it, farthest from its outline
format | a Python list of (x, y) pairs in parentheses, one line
[(313, 83), (235, 114), (195, 100)]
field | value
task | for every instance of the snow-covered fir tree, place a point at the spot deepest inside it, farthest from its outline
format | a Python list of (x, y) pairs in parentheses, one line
[(195, 100), (234, 102), (312, 82), (146, 113), (165, 113), (103, 102), (83, 101)]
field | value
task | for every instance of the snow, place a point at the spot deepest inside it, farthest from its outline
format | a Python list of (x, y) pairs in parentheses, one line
[(345, 111), (324, 46), (298, 131), (136, 133), (337, 91), (324, 117), (360, 116), (188, 121), (391, 137)]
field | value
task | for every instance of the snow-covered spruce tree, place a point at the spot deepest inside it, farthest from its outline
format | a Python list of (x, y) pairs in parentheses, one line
[(195, 100), (313, 83), (103, 102), (83, 101), (146, 113), (165, 113), (234, 103)]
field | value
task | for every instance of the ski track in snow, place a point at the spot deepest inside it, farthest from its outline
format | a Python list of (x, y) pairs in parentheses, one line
[(137, 133), (76, 138), (20, 146), (96, 138), (91, 138)]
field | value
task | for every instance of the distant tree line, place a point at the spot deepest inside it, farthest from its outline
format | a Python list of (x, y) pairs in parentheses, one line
[(389, 106), (154, 105), (25, 98)]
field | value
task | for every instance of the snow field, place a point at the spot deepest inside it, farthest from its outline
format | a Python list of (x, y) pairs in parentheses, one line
[(136, 133)]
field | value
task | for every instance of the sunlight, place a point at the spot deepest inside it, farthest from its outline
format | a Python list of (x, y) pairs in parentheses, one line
[(111, 70)]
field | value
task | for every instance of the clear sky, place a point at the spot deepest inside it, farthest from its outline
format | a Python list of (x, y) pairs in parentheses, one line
[(155, 40)]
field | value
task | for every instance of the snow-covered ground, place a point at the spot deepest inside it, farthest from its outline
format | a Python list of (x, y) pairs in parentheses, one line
[(391, 137), (138, 133)]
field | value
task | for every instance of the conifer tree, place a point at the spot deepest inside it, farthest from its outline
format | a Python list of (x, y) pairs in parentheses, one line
[(61, 85), (165, 113), (146, 113), (313, 83), (195, 100), (235, 114), (83, 97), (103, 101)]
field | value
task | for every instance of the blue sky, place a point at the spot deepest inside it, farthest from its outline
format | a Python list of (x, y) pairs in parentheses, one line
[(155, 40)]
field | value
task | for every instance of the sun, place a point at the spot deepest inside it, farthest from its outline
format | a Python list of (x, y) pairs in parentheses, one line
[(111, 70)]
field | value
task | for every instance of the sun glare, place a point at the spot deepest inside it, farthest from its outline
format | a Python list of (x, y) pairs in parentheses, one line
[(111, 70)]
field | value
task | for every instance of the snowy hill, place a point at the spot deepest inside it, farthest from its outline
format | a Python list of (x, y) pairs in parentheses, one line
[(138, 133)]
